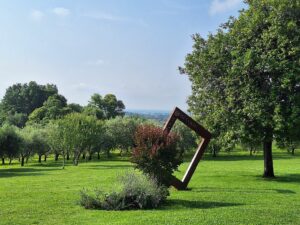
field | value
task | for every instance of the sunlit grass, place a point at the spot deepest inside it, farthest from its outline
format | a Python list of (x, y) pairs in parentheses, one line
[(225, 190)]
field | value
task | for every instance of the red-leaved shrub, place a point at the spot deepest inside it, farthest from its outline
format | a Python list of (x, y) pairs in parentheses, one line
[(156, 153)]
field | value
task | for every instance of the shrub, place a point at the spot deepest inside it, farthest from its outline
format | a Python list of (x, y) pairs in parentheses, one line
[(89, 201), (136, 191), (156, 153)]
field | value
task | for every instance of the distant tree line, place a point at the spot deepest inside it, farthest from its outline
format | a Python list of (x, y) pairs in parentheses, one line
[(37, 121)]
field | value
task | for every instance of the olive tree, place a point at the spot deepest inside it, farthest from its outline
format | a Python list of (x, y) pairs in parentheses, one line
[(10, 142)]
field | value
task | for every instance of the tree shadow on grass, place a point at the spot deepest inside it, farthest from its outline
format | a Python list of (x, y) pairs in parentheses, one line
[(49, 164), (4, 173), (288, 178), (244, 190), (179, 203), (232, 157), (108, 166)]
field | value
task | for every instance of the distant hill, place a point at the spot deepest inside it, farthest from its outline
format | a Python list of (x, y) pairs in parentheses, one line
[(158, 115)]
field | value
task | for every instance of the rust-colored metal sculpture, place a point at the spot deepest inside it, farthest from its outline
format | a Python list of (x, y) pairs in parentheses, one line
[(201, 131)]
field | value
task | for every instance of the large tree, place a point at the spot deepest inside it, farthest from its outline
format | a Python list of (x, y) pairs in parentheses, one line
[(75, 133), (21, 99), (53, 108), (245, 78), (109, 105)]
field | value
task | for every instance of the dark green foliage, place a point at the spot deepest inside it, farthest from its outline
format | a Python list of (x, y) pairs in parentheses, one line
[(53, 108), (73, 107), (245, 78), (156, 154), (91, 110), (136, 192), (24, 98), (15, 119), (10, 142)]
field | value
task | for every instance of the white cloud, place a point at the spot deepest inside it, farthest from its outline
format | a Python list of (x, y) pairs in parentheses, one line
[(60, 11), (219, 6), (37, 15)]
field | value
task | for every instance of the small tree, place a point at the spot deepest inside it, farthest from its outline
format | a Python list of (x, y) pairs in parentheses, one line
[(40, 142), (121, 131), (27, 146), (156, 153), (78, 133), (9, 143)]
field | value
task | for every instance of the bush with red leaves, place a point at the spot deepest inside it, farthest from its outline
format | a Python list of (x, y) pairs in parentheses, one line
[(156, 153)]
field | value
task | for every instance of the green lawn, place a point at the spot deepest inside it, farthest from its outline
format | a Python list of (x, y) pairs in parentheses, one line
[(225, 190)]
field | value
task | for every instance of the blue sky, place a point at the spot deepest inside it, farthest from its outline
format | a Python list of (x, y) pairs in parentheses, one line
[(131, 48)]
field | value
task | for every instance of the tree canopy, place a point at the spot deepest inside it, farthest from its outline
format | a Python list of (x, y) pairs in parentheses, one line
[(21, 99), (109, 105), (245, 78)]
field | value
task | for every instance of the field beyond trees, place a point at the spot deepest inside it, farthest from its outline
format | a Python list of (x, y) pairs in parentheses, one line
[(228, 189)]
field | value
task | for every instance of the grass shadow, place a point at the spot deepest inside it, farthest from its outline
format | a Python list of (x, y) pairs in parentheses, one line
[(13, 172), (108, 166), (232, 156), (244, 190), (288, 178), (196, 204), (49, 164)]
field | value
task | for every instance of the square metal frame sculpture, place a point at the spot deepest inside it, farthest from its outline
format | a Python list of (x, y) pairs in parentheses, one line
[(201, 131)]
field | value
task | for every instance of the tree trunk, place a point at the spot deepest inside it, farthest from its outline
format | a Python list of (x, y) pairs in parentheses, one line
[(251, 151), (45, 158), (268, 160), (293, 151), (40, 158), (3, 160), (108, 153), (10, 159), (22, 161), (64, 161), (214, 152), (98, 155), (76, 159), (90, 156), (56, 156), (83, 156), (68, 156)]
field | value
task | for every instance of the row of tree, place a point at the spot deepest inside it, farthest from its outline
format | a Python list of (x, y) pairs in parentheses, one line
[(70, 137), (37, 120), (77, 135)]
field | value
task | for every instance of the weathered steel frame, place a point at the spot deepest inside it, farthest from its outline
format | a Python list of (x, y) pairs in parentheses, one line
[(201, 131)]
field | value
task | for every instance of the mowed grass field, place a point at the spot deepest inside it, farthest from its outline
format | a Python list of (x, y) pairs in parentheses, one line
[(225, 190)]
